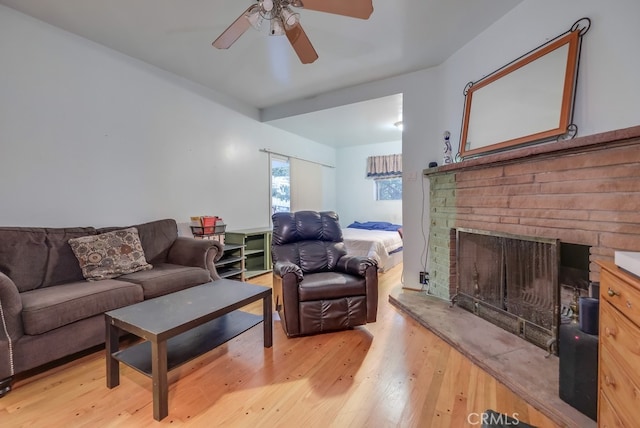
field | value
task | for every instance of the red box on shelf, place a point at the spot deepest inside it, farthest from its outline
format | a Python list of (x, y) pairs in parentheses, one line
[(208, 221)]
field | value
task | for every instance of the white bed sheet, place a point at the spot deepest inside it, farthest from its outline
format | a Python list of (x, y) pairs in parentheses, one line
[(376, 244)]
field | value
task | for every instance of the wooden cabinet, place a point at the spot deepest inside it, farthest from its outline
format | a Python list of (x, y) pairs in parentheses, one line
[(619, 348), (257, 250)]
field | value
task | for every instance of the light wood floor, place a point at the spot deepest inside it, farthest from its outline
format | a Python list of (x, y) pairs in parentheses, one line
[(393, 373)]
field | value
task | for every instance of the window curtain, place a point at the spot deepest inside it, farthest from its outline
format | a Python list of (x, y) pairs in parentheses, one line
[(306, 185), (388, 166)]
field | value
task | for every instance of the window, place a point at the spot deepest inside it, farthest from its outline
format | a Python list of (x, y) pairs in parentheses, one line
[(388, 189), (296, 184), (280, 185), (386, 172)]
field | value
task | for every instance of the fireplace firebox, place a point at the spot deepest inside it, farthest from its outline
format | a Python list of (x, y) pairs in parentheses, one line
[(511, 281)]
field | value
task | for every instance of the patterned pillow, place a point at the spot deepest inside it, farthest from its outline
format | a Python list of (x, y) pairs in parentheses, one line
[(110, 254)]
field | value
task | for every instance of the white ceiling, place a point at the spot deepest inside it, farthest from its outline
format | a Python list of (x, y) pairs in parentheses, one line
[(366, 122), (263, 71)]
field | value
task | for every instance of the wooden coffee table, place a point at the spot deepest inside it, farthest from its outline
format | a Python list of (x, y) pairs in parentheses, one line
[(180, 326)]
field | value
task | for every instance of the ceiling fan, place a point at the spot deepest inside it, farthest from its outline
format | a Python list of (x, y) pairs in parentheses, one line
[(283, 20)]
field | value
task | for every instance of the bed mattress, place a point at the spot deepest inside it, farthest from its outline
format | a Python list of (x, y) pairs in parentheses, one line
[(378, 245)]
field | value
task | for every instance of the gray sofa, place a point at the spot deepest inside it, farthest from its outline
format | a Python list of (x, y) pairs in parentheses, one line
[(49, 311)]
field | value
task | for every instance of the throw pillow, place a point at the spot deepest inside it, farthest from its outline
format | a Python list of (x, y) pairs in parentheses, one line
[(110, 254)]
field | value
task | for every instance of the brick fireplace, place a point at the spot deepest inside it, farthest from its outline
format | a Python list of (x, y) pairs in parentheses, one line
[(583, 194), (583, 191)]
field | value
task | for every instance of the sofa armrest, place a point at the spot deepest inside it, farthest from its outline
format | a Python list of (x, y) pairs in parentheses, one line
[(10, 325), (203, 253), (10, 309), (282, 268), (355, 265)]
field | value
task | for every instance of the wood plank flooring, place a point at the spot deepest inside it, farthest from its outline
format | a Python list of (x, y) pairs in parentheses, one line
[(393, 373), (525, 368)]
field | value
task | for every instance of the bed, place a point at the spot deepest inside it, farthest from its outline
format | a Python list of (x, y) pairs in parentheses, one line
[(381, 241)]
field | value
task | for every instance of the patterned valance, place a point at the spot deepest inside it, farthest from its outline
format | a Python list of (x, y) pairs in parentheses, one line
[(388, 166)]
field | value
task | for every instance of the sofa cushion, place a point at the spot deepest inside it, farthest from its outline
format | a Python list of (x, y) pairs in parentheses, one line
[(166, 278), (110, 255), (157, 237), (35, 257), (48, 308)]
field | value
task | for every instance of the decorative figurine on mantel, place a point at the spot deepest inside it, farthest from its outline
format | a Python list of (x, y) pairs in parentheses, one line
[(447, 148)]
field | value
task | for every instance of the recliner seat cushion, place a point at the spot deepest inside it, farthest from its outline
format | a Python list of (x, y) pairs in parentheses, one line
[(330, 285), (166, 278), (48, 308)]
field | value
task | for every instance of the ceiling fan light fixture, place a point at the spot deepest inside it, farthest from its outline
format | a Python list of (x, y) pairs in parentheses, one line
[(254, 17), (289, 17), (266, 5), (277, 29)]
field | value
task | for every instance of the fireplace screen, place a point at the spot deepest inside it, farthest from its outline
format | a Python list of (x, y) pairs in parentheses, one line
[(510, 281)]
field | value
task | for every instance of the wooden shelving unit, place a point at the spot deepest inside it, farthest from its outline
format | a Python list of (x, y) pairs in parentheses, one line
[(231, 264), (257, 250)]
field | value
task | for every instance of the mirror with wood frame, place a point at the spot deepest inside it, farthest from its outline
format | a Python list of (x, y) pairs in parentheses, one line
[(529, 100)]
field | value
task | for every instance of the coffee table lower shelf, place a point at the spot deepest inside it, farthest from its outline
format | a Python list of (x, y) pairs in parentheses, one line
[(190, 344)]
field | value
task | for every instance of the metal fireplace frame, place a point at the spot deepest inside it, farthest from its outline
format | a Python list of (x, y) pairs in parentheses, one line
[(540, 335)]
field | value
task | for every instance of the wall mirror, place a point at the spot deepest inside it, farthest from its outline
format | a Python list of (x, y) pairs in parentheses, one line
[(527, 101)]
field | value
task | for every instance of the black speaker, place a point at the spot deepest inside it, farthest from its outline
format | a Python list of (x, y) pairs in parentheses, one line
[(588, 314), (578, 353)]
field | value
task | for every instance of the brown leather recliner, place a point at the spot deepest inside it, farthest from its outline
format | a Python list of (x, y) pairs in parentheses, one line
[(318, 287)]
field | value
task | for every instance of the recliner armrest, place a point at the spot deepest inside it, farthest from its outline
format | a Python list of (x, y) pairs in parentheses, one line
[(355, 265), (283, 268), (201, 253)]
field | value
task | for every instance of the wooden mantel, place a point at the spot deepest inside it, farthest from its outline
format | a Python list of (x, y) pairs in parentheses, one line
[(547, 149)]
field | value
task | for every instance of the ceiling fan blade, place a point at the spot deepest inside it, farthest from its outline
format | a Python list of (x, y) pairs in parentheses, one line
[(354, 8), (234, 31), (301, 44)]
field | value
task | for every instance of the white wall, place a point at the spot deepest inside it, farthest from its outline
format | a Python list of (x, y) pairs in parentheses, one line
[(92, 137), (608, 84), (356, 194), (607, 93)]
